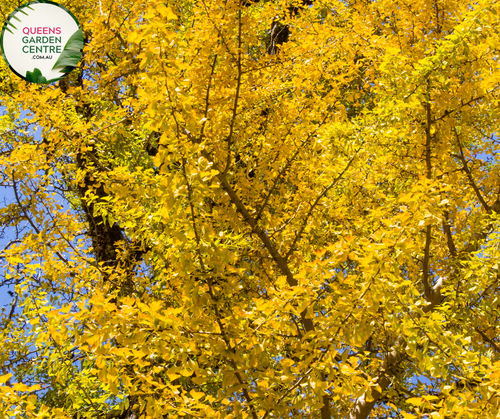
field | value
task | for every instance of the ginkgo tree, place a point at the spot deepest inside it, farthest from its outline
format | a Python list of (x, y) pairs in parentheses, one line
[(262, 209)]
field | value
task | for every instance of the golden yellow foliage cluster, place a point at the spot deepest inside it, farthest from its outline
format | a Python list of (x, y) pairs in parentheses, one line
[(264, 209)]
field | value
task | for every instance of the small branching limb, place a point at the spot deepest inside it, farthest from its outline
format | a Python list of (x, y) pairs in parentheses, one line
[(468, 172), (363, 406), (316, 202), (426, 262), (488, 340), (428, 229), (230, 139), (213, 297), (287, 166), (448, 234), (307, 323)]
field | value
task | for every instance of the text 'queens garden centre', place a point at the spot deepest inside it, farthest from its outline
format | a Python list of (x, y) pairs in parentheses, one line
[(42, 44)]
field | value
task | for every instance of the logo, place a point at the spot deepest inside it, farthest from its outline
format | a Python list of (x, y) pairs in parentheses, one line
[(41, 41)]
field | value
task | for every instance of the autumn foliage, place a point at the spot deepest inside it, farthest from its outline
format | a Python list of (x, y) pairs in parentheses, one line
[(266, 209)]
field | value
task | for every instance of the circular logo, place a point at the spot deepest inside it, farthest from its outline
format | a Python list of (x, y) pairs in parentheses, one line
[(41, 41)]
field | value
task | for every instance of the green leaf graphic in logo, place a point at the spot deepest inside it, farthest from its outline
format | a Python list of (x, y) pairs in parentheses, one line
[(35, 76), (71, 54), (9, 22)]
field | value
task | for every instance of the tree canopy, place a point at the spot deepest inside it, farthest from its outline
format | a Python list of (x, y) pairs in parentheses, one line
[(256, 209)]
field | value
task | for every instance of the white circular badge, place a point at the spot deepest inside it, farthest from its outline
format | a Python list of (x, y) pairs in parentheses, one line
[(41, 41)]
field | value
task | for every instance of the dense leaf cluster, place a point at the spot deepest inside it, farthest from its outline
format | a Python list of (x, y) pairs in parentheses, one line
[(263, 209)]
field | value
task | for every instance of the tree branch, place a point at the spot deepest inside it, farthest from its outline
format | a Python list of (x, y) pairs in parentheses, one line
[(469, 174), (428, 230), (315, 204), (236, 95), (449, 236), (223, 333)]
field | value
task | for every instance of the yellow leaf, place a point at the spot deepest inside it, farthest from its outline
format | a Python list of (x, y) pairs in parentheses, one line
[(15, 260), (166, 12), (173, 376), (20, 387), (113, 388), (5, 378), (196, 395), (92, 340)]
